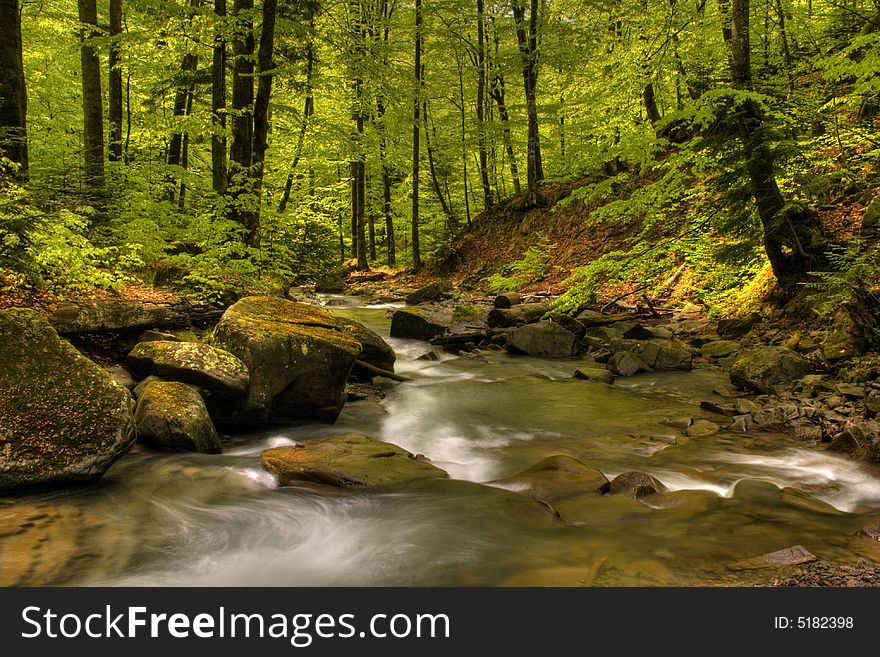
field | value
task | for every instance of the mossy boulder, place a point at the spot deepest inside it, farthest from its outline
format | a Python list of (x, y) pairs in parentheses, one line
[(441, 289), (299, 358), (418, 324), (172, 416), (350, 460), (118, 315), (376, 351), (768, 368), (544, 339), (525, 313), (556, 477), (63, 419), (191, 362)]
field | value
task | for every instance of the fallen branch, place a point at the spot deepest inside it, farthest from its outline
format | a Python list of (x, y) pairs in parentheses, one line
[(378, 371)]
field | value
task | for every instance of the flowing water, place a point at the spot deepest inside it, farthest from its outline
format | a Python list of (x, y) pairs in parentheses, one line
[(189, 519)]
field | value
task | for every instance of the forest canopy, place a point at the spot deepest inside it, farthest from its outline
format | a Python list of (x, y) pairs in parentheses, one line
[(227, 145)]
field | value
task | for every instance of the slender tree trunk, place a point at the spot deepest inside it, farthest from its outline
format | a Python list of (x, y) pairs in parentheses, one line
[(417, 93), (786, 52), (241, 151), (462, 108), (308, 111), (386, 184), (114, 99), (266, 64), (498, 94), (184, 154), (527, 37), (354, 171), (371, 222), (361, 182), (182, 101), (93, 115), (13, 91), (451, 221), (651, 110), (481, 105), (218, 102)]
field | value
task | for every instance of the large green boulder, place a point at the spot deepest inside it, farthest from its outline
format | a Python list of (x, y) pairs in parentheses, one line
[(171, 416), (191, 362), (350, 460), (768, 368), (298, 355), (63, 419), (441, 289)]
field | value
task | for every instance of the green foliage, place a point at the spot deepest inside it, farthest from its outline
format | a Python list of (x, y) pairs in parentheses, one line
[(532, 268), (854, 275), (18, 221)]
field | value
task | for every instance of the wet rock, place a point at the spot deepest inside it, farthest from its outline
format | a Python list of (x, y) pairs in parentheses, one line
[(702, 428), (729, 393), (766, 369), (638, 332), (602, 377), (872, 402), (719, 349), (441, 289), (871, 530), (776, 416), (545, 339), (679, 423), (556, 477), (737, 327), (625, 363), (431, 355), (525, 313), (791, 556), (635, 484), (191, 362), (63, 419), (603, 335), (172, 416), (661, 333), (349, 460), (661, 357), (568, 323), (507, 300), (417, 324), (741, 423), (374, 350), (721, 409), (298, 356), (856, 442), (140, 387)]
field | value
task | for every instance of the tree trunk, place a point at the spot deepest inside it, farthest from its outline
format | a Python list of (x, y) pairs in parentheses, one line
[(417, 93), (182, 101), (241, 151), (499, 96), (266, 64), (114, 99), (527, 37), (786, 229), (93, 115), (184, 153), (13, 91), (461, 107), (451, 221), (386, 185), (651, 110), (218, 102), (308, 111), (481, 105)]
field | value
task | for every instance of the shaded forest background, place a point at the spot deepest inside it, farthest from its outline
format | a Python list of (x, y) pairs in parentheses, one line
[(216, 148)]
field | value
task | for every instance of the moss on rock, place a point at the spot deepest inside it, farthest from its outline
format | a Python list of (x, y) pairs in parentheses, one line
[(172, 416), (298, 355), (63, 419), (191, 362), (350, 460)]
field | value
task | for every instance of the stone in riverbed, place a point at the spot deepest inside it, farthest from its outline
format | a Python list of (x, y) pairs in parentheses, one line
[(625, 363), (543, 339), (417, 324), (376, 351), (660, 357), (191, 362), (349, 460), (63, 419), (525, 313), (635, 484), (441, 289), (795, 555), (556, 477), (701, 429), (719, 348), (737, 327), (171, 416), (768, 368), (299, 358)]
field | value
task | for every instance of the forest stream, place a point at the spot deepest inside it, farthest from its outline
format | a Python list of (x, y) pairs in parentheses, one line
[(194, 519)]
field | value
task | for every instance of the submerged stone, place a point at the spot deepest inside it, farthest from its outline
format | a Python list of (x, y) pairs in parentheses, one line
[(350, 460)]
